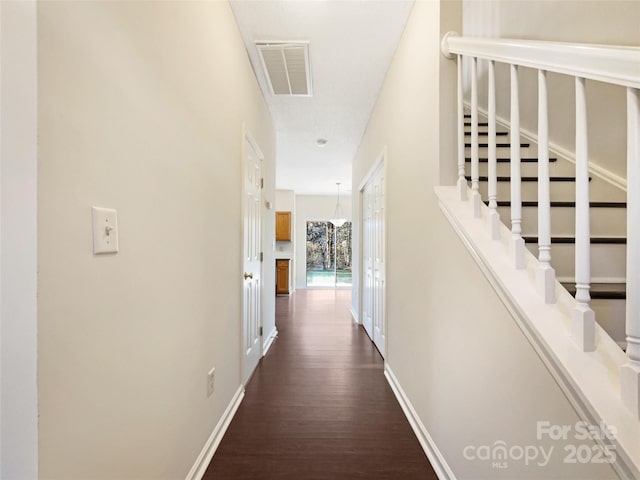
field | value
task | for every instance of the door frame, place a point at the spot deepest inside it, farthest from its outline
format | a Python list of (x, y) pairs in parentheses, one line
[(246, 135), (18, 239), (380, 162)]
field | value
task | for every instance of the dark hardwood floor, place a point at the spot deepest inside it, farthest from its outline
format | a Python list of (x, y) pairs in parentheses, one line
[(318, 405)]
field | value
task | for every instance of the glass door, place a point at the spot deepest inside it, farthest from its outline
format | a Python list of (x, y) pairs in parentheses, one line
[(328, 254)]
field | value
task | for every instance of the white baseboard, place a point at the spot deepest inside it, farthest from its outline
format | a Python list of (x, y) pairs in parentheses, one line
[(211, 445), (268, 341), (354, 315), (438, 462)]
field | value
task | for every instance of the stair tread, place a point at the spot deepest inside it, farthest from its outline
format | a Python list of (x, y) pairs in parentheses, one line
[(483, 178), (498, 145), (507, 203), (508, 160), (485, 134), (605, 291), (572, 239)]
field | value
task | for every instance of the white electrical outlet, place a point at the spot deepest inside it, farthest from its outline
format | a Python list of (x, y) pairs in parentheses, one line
[(211, 381)]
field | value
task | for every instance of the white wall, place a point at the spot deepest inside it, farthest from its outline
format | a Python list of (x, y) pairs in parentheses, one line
[(141, 106), (611, 22), (268, 234), (18, 235), (313, 208), (468, 370)]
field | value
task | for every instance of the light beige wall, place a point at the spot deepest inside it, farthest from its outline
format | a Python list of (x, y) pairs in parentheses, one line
[(140, 109), (466, 367), (610, 22)]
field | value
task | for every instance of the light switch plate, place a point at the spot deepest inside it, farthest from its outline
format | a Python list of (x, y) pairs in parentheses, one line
[(105, 230)]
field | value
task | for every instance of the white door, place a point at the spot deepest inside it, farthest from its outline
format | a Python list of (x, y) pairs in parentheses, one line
[(379, 325), (251, 321), (373, 269)]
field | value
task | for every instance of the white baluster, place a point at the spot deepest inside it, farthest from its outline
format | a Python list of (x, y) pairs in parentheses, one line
[(546, 275), (476, 200), (517, 242), (462, 181), (630, 373), (583, 329), (494, 216)]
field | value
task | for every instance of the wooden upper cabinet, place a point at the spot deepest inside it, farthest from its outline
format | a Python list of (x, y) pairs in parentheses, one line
[(283, 226)]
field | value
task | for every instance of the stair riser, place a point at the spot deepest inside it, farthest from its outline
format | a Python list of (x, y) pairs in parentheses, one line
[(560, 191), (529, 169), (483, 152), (607, 261), (604, 221)]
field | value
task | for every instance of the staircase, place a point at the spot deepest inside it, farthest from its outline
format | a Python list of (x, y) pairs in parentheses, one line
[(608, 223), (570, 300)]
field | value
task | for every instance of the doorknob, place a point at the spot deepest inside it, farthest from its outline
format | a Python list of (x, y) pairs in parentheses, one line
[(248, 275)]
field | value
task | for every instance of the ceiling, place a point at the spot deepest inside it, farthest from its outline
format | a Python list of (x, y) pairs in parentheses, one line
[(351, 44)]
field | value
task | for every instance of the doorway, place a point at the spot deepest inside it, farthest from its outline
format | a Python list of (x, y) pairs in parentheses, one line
[(252, 246), (328, 255)]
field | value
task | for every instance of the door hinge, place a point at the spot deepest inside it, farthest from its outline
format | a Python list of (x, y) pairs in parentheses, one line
[(260, 331), (261, 256), (262, 182)]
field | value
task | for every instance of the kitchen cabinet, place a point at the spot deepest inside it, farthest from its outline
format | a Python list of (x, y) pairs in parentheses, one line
[(282, 276), (283, 226)]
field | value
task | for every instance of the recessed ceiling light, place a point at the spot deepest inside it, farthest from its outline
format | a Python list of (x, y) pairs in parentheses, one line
[(322, 142)]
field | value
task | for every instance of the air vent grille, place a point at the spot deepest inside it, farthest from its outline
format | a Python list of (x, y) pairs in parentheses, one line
[(286, 67)]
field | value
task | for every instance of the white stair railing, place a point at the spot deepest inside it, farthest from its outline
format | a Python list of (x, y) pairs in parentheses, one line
[(462, 181), (583, 316), (613, 65), (517, 243), (546, 274), (494, 216), (476, 200), (630, 373)]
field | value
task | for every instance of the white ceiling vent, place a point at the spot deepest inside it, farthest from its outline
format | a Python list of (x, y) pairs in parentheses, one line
[(286, 67)]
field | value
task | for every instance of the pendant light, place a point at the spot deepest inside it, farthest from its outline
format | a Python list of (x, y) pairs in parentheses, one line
[(338, 216)]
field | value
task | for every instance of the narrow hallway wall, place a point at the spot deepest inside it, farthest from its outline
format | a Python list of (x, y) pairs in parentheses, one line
[(141, 109), (469, 372)]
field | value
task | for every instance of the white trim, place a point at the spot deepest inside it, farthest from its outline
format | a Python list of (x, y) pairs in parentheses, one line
[(19, 241), (581, 376), (268, 341), (381, 162), (246, 135), (211, 445), (561, 152), (354, 316), (604, 63), (437, 460), (381, 159)]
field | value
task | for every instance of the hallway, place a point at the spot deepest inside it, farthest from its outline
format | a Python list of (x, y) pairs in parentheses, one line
[(318, 405)]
